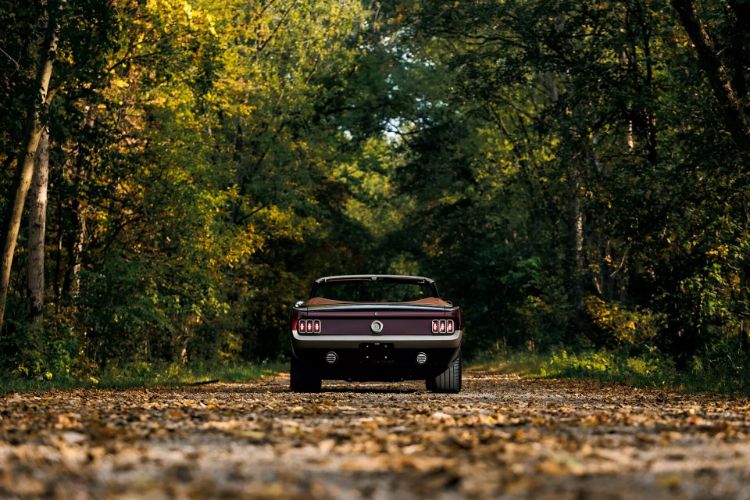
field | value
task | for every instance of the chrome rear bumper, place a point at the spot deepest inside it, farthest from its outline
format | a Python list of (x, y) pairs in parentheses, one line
[(398, 341)]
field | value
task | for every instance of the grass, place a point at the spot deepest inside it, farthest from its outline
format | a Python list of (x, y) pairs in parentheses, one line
[(613, 367), (142, 375), (722, 376), (525, 364)]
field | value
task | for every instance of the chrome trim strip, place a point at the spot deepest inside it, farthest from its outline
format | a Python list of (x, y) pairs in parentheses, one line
[(399, 341), (404, 277)]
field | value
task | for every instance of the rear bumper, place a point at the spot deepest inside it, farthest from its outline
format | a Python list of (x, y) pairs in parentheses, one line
[(300, 342), (376, 357)]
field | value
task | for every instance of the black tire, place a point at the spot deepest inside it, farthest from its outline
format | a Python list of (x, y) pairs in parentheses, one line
[(303, 377), (450, 380)]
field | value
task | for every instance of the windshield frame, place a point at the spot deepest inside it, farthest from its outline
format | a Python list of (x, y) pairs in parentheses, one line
[(415, 280)]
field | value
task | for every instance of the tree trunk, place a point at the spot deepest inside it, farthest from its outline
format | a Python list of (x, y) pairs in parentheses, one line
[(641, 120), (576, 208), (578, 243), (25, 168), (72, 280), (648, 113), (735, 119), (741, 14), (37, 230), (59, 242)]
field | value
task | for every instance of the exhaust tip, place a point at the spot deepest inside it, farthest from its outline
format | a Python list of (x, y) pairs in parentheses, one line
[(421, 358), (331, 357)]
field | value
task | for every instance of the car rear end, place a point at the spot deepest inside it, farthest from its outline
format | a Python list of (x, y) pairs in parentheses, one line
[(376, 341)]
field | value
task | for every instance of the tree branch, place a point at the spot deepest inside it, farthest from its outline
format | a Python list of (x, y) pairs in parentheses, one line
[(710, 62), (18, 66)]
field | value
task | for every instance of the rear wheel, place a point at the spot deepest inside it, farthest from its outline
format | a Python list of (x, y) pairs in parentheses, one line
[(303, 377), (450, 380)]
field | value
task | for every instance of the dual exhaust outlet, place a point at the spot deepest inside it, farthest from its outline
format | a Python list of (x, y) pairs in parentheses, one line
[(332, 357)]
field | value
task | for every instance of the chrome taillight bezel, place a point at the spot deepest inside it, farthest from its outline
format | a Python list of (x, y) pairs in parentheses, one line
[(442, 327), (309, 326)]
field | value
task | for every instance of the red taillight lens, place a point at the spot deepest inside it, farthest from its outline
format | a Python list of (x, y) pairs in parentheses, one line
[(443, 326), (309, 326)]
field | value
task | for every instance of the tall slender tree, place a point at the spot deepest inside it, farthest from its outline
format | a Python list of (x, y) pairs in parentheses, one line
[(37, 228), (25, 165)]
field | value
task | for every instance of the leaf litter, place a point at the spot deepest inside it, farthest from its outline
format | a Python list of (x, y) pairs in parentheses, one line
[(501, 436)]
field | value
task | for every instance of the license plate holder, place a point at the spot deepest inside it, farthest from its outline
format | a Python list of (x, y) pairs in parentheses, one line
[(376, 352)]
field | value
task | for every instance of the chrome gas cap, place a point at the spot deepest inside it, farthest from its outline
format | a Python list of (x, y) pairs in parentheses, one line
[(376, 327)]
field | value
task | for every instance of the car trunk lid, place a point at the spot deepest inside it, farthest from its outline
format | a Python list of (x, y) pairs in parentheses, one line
[(380, 320)]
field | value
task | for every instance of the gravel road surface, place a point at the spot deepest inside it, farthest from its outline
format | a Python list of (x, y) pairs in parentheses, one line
[(502, 436)]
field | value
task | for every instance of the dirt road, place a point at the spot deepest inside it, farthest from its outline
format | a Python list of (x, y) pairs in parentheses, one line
[(502, 436)]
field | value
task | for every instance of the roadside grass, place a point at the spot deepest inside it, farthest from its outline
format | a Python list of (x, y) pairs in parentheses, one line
[(524, 364), (613, 367), (149, 375)]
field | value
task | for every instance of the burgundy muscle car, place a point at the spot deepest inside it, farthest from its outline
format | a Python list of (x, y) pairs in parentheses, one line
[(376, 328)]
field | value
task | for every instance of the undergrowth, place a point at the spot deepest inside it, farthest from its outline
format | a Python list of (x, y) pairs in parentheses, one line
[(135, 375), (613, 367)]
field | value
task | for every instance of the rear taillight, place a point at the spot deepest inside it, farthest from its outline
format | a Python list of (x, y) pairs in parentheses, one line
[(309, 326), (443, 326)]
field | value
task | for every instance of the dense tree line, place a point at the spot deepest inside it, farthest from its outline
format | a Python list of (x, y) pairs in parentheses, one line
[(175, 172)]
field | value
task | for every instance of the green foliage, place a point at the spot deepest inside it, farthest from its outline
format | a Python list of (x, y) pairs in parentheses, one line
[(148, 375), (55, 352), (714, 371), (560, 169), (621, 327), (604, 365), (576, 186)]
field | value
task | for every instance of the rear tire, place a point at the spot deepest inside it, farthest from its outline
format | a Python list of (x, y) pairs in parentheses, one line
[(449, 381), (303, 377)]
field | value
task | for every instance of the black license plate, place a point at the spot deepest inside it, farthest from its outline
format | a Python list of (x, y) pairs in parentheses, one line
[(376, 352)]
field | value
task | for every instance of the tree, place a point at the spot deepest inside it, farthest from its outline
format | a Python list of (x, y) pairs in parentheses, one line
[(735, 113), (25, 163), (37, 230)]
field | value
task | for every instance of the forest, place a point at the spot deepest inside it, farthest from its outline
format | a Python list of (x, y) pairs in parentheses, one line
[(175, 173)]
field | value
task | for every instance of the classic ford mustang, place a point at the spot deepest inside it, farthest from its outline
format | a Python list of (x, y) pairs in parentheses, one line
[(378, 328)]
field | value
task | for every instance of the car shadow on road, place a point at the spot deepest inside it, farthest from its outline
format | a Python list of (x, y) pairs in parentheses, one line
[(354, 388), (371, 390)]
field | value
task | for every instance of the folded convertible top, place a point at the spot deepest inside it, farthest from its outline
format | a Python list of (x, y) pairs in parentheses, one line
[(427, 301)]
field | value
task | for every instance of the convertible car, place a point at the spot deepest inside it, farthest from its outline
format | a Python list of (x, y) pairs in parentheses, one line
[(376, 328)]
